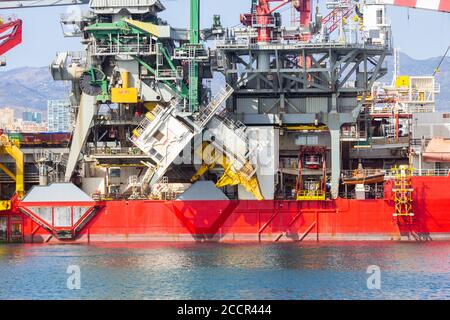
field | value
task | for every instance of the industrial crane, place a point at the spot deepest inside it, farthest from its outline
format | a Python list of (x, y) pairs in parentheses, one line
[(10, 36), (262, 15), (11, 4), (11, 30), (438, 68)]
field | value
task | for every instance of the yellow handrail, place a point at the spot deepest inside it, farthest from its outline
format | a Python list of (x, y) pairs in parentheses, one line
[(311, 195)]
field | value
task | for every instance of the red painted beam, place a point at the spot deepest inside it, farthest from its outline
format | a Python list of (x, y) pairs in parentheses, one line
[(10, 35)]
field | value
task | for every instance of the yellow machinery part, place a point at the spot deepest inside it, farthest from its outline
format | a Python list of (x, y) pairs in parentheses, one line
[(125, 79), (200, 172), (9, 148), (147, 27), (230, 177), (5, 205), (307, 128), (124, 94), (421, 96), (150, 116), (136, 133), (150, 106), (402, 82), (368, 99)]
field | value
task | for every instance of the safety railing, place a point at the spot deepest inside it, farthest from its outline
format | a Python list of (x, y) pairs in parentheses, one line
[(149, 118), (431, 172), (353, 135), (237, 126), (347, 174), (191, 52), (262, 21), (121, 3), (115, 49), (421, 109), (169, 74), (311, 195), (280, 43), (213, 107), (423, 173), (116, 117), (29, 178), (115, 151), (403, 108), (419, 142)]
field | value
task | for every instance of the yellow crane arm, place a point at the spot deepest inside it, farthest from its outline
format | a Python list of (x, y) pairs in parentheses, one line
[(10, 148)]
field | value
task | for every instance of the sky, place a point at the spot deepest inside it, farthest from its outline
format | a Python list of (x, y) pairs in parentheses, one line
[(420, 34)]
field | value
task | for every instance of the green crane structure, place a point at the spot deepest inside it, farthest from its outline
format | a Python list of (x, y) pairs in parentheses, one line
[(194, 39)]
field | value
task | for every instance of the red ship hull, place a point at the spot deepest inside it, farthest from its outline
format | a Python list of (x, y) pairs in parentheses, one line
[(341, 219)]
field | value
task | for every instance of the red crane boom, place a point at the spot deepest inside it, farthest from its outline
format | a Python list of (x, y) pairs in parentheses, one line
[(10, 35)]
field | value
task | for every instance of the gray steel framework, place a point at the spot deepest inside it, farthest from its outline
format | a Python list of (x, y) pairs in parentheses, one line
[(303, 70)]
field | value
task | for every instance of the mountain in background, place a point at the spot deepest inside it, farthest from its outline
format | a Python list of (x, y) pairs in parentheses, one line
[(29, 88)]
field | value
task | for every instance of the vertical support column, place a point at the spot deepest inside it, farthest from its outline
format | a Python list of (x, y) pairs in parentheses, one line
[(194, 31), (19, 176), (335, 161), (43, 174), (334, 125), (83, 124), (20, 172)]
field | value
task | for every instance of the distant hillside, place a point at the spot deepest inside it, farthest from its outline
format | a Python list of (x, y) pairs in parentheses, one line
[(29, 89)]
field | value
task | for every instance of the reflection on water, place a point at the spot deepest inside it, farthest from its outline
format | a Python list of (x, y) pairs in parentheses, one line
[(223, 271)]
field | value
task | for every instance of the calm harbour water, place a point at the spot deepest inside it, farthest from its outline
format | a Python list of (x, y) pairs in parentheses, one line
[(226, 271)]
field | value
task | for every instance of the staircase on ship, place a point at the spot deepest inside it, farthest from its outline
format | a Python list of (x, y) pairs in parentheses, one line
[(166, 132)]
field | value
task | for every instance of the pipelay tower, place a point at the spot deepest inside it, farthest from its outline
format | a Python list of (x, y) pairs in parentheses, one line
[(280, 122)]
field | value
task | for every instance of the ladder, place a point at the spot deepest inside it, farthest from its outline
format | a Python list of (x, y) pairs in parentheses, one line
[(159, 55), (212, 108), (143, 133), (163, 135), (403, 194), (138, 186), (193, 80)]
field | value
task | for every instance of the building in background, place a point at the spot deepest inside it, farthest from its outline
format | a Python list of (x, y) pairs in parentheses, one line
[(7, 119), (59, 113), (29, 123), (30, 116), (30, 126)]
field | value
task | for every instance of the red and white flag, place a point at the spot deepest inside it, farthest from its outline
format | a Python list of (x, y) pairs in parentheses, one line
[(436, 5)]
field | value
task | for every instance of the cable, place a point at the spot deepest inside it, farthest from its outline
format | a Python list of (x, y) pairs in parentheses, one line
[(442, 61)]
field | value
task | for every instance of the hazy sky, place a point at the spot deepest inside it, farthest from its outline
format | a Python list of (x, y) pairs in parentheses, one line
[(420, 34)]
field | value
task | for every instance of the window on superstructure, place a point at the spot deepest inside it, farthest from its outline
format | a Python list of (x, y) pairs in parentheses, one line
[(379, 16), (158, 135)]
